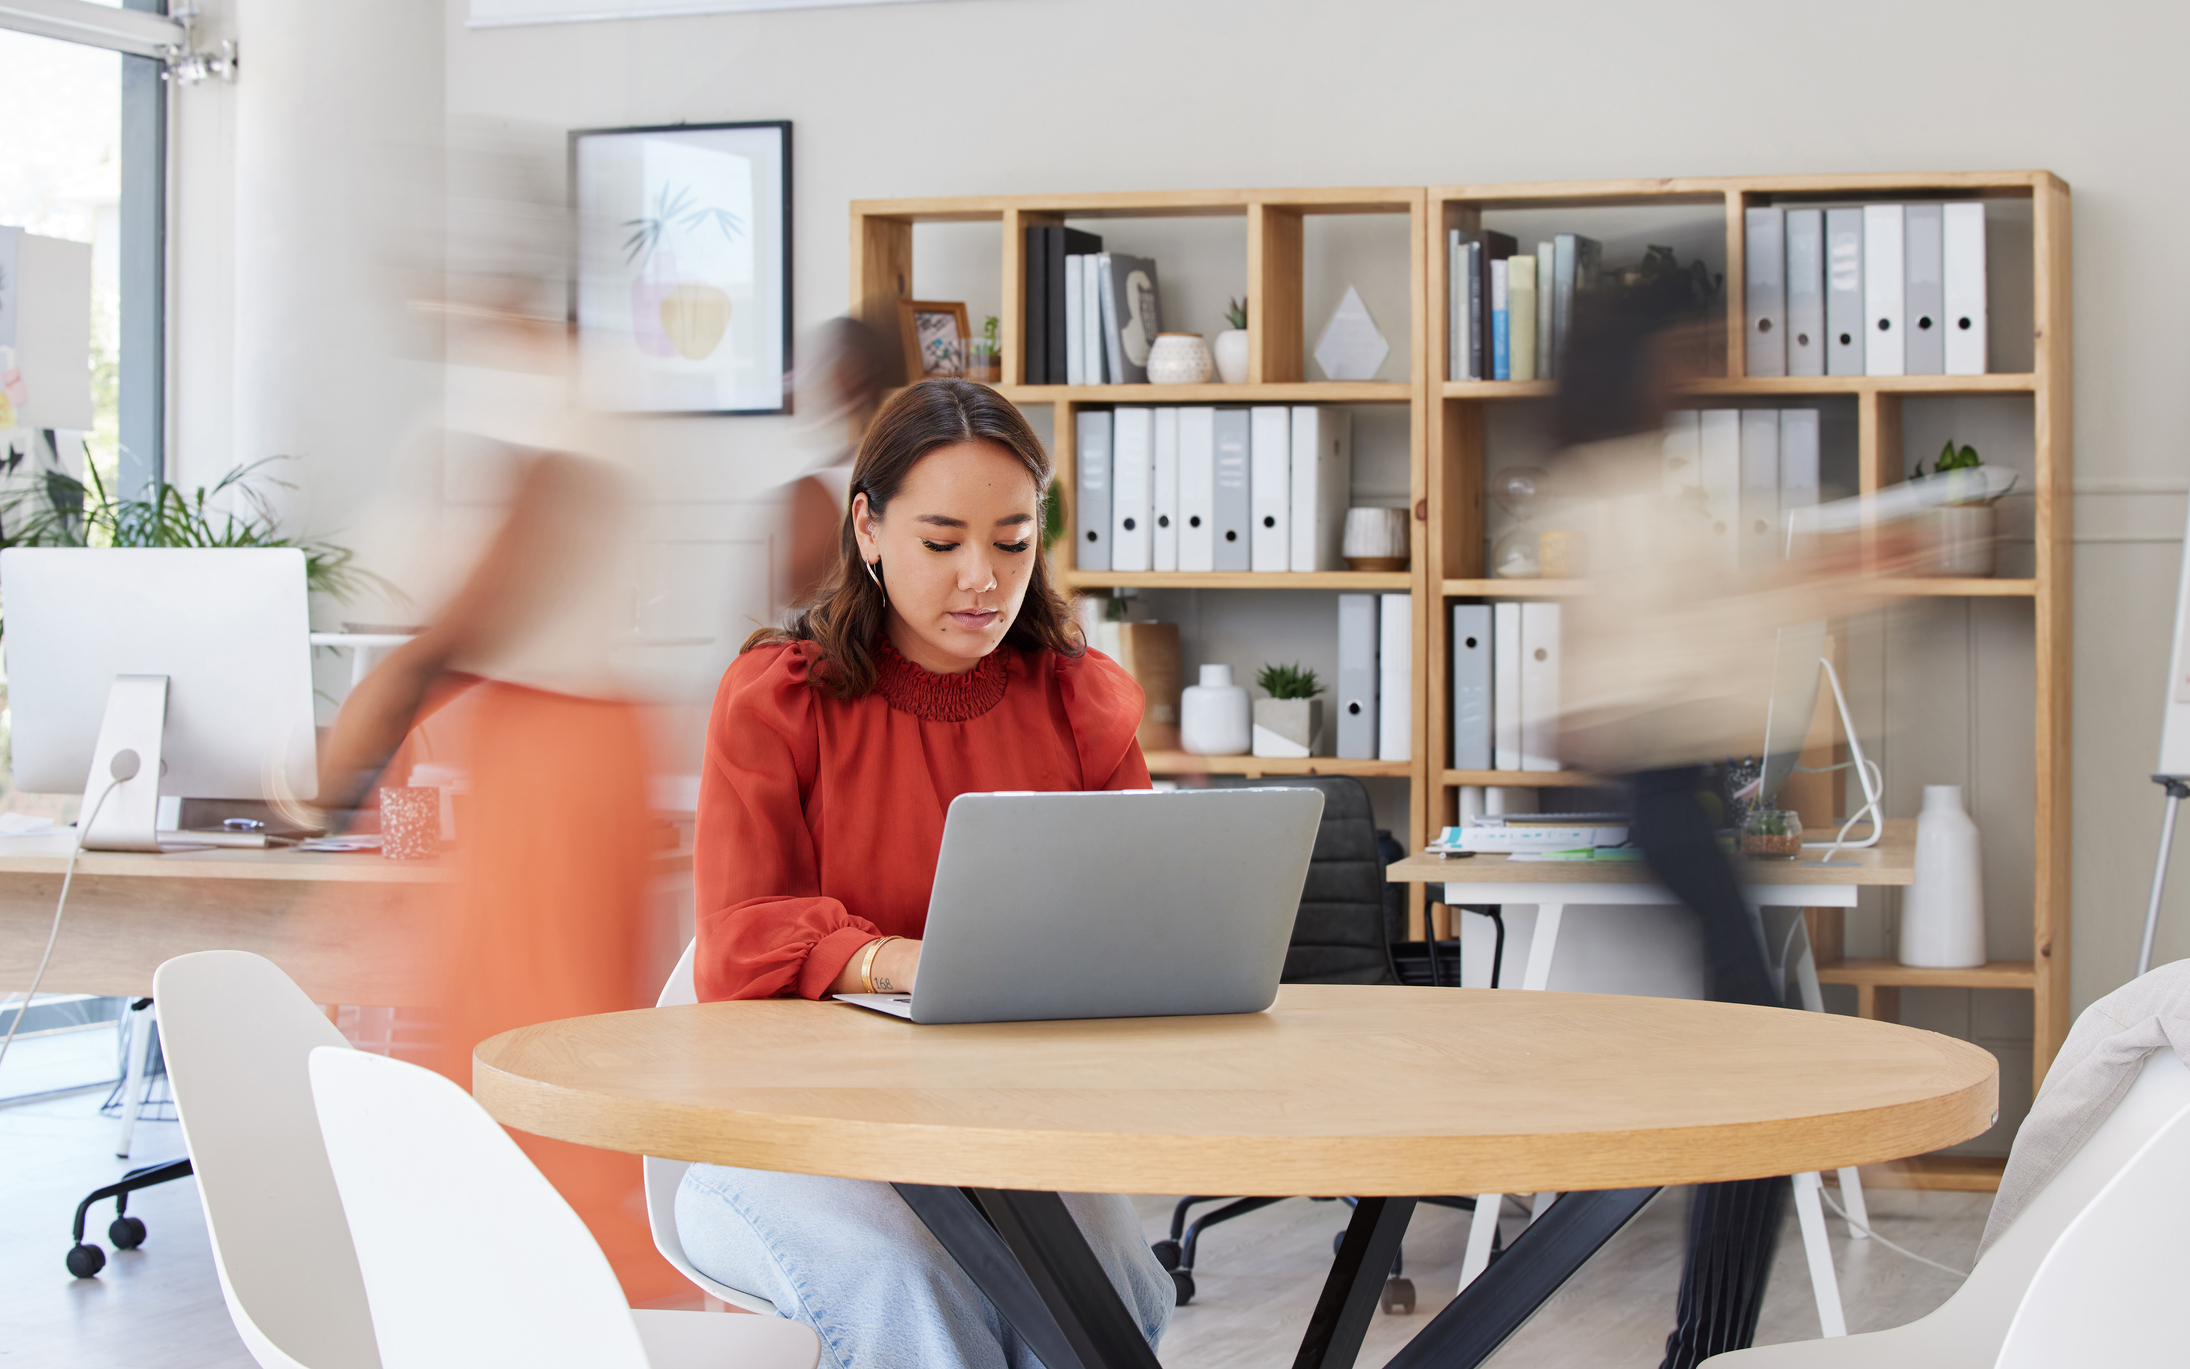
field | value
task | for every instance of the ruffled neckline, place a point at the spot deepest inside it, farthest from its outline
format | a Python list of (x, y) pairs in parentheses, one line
[(910, 688)]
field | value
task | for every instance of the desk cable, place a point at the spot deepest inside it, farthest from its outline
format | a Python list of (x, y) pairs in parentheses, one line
[(1896, 1249), (122, 767)]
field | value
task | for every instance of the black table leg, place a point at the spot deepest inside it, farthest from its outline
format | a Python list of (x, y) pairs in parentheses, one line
[(1356, 1282), (1025, 1252), (1473, 1325)]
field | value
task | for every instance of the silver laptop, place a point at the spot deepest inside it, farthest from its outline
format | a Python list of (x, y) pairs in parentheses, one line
[(1133, 903)]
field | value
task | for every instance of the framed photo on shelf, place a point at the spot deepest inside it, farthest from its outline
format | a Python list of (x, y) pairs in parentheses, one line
[(682, 284), (935, 338)]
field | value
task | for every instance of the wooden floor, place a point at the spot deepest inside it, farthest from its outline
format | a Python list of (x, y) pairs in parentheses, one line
[(160, 1307)]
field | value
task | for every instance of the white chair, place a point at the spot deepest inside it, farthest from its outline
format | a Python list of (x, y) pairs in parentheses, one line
[(239, 1034), (664, 1176), (471, 1257), (2030, 1301)]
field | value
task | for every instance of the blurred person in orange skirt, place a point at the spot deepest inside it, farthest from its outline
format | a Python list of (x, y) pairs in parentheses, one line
[(515, 555)]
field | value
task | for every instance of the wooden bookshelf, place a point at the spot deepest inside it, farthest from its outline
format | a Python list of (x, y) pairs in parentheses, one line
[(1184, 763)]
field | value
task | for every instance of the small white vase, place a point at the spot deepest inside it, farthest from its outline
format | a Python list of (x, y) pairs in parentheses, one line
[(1178, 359), (1231, 350), (1943, 912), (1214, 716)]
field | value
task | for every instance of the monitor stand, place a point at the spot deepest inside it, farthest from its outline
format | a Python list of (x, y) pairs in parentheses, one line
[(136, 719)]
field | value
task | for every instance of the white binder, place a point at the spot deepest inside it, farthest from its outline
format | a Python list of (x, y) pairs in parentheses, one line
[(1075, 322), (1197, 489), (1925, 301), (1132, 480), (1683, 458), (1844, 292), (1505, 686), (1718, 462), (1091, 319), (1271, 487), (1764, 290), (1323, 482), (1798, 464), (1760, 543), (1805, 292), (1471, 686), (1394, 677), (1964, 242), (1092, 551), (1163, 497), (1885, 341), (1357, 676), (1233, 510), (1540, 685)]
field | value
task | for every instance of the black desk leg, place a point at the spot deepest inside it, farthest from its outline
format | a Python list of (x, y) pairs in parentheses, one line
[(1543, 1257), (1026, 1253), (1356, 1284)]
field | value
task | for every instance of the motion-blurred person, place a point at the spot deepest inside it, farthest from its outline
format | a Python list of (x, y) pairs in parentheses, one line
[(544, 915), (839, 384), (1668, 670)]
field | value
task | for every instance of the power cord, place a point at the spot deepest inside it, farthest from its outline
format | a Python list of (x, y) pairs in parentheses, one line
[(122, 767), (1898, 1250)]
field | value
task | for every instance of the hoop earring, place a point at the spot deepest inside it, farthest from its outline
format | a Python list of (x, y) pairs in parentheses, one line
[(872, 575)]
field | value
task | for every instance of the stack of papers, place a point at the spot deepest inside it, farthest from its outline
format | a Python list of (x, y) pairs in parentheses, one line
[(1581, 832)]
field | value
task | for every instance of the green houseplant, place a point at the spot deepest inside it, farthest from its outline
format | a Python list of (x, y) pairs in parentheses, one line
[(1287, 723), (1960, 535)]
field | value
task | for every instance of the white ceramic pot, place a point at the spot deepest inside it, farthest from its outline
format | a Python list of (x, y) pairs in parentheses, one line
[(1943, 913), (1287, 728), (1179, 359), (1375, 539), (1213, 715), (1231, 349), (1959, 540)]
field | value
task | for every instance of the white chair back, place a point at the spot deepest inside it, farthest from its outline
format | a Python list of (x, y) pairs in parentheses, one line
[(239, 1034), (469, 1254), (2105, 1293), (663, 1177)]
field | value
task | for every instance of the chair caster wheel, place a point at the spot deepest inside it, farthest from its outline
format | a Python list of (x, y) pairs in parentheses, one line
[(1398, 1297), (86, 1260), (127, 1233), (1184, 1283), (1167, 1253)]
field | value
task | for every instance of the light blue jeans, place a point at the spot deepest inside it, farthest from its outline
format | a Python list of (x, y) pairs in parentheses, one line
[(850, 1260)]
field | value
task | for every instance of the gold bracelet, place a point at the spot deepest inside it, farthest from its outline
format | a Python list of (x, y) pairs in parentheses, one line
[(866, 965)]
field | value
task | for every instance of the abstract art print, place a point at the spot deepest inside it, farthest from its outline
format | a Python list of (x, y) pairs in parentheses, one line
[(683, 289)]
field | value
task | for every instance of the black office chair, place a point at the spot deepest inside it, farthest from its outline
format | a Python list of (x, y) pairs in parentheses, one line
[(1343, 934)]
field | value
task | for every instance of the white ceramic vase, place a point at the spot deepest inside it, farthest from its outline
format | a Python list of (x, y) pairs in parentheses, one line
[(1943, 912), (1231, 350), (1214, 716), (1178, 359)]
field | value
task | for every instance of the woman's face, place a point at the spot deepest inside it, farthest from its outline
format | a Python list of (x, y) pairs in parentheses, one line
[(956, 550)]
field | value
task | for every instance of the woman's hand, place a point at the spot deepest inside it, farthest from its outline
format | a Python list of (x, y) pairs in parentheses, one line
[(895, 967)]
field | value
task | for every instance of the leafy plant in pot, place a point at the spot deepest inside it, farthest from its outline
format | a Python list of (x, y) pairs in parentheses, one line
[(1961, 536), (1287, 723)]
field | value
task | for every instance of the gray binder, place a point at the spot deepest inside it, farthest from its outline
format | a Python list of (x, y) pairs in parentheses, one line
[(1805, 292), (1092, 552), (1844, 292), (1471, 687), (1764, 291), (1357, 628), (1233, 506), (1926, 310)]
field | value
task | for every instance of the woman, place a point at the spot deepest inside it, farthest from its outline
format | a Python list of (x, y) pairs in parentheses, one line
[(939, 660)]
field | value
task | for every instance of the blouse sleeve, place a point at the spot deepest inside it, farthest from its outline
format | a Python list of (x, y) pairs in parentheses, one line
[(1104, 704), (764, 927)]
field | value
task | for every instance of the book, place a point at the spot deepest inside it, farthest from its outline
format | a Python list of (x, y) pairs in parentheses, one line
[(1683, 456), (1075, 325), (1487, 248), (1540, 665), (1885, 291), (1501, 323), (1844, 292), (1059, 243), (1357, 676), (1164, 496), (1034, 357), (1471, 684), (1092, 551), (1132, 455), (1521, 318), (1718, 463), (1505, 689), (1270, 488), (1805, 292), (1924, 257), (1232, 508), (1394, 677), (1576, 262), (1547, 297), (1963, 241), (1760, 541), (1130, 319), (1798, 464), (1456, 304), (1091, 321), (1197, 489), (1323, 481), (1764, 291)]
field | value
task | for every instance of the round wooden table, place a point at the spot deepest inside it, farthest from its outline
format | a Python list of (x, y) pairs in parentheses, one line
[(1375, 1092)]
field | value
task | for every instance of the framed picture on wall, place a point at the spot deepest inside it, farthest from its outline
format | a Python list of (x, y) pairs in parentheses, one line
[(935, 338), (682, 288)]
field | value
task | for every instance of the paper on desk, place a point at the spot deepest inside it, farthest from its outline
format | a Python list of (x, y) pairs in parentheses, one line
[(366, 841), (24, 825)]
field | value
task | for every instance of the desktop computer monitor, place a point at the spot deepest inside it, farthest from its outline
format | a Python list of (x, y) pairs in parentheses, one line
[(197, 659)]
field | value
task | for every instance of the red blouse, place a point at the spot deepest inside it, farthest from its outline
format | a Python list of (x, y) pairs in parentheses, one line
[(820, 820)]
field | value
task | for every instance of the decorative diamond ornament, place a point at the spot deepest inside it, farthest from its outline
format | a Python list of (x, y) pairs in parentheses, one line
[(1351, 348)]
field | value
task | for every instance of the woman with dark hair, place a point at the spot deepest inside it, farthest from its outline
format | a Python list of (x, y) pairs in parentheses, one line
[(938, 660)]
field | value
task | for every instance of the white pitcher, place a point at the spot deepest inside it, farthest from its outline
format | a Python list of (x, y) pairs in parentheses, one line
[(1943, 912)]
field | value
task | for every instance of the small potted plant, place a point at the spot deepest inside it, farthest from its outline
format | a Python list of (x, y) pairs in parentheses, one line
[(1231, 345), (985, 354), (1771, 834), (1961, 537), (1287, 723)]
